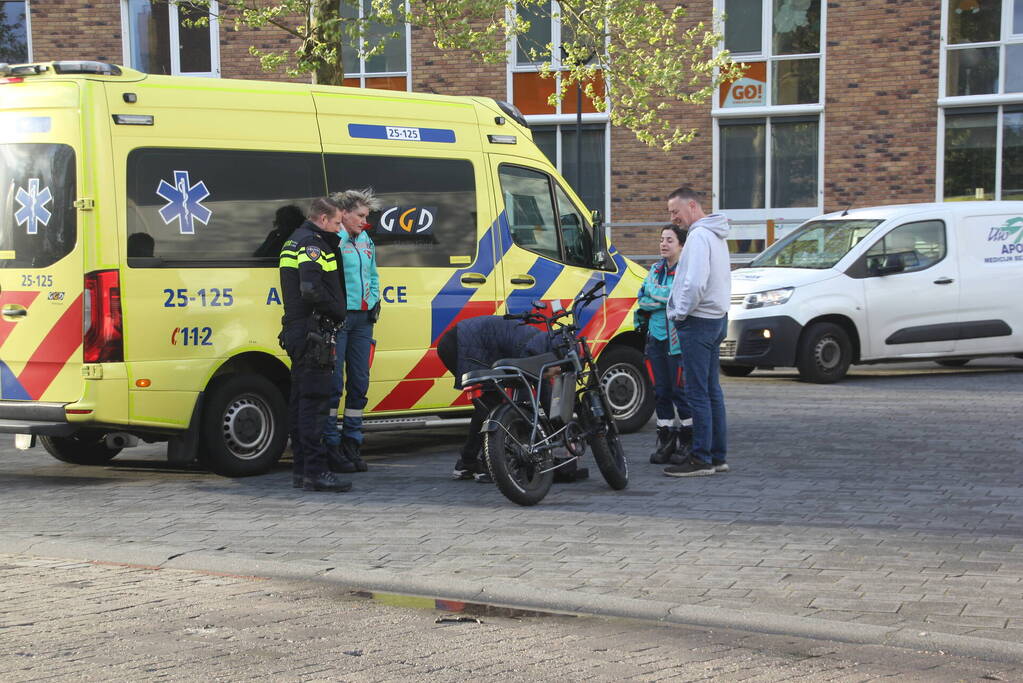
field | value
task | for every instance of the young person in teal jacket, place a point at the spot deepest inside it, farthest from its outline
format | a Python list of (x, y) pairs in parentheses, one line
[(664, 354), (355, 340)]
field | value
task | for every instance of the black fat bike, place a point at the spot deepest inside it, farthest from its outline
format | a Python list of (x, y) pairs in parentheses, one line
[(541, 404)]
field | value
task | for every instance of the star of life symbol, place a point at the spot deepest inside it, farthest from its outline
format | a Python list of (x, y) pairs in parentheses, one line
[(33, 209), (184, 202)]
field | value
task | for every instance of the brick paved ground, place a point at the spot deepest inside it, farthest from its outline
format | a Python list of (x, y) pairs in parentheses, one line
[(64, 620), (892, 499)]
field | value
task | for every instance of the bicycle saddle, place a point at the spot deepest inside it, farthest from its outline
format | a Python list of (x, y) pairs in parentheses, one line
[(531, 365)]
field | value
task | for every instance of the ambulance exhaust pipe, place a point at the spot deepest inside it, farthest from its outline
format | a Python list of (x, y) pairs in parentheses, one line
[(120, 440)]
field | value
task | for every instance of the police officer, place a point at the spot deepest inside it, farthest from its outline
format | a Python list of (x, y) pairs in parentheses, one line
[(312, 284)]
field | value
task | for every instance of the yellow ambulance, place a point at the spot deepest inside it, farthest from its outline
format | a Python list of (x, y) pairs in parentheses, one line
[(139, 291)]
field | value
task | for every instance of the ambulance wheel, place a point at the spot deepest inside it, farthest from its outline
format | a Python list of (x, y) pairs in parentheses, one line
[(83, 448), (627, 383), (825, 353), (737, 370), (245, 426)]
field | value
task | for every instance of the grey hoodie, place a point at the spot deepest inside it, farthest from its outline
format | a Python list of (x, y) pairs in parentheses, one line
[(703, 278)]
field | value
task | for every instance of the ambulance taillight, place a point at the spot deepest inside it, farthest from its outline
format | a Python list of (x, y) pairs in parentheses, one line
[(103, 337)]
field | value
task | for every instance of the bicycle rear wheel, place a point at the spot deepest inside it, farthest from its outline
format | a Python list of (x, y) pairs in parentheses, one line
[(519, 476), (607, 448)]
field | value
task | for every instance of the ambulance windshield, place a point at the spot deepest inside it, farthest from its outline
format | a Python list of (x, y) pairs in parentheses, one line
[(37, 191), (818, 244)]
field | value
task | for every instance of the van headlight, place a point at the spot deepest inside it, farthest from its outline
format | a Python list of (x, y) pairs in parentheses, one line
[(772, 297)]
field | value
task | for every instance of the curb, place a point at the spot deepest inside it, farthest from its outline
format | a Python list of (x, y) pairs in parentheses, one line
[(521, 596)]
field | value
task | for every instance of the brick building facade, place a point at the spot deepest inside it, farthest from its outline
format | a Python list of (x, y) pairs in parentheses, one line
[(847, 103)]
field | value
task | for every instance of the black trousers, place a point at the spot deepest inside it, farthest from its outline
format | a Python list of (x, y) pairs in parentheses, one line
[(308, 408)]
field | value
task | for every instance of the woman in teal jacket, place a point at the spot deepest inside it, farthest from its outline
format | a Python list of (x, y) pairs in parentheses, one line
[(355, 340), (664, 355)]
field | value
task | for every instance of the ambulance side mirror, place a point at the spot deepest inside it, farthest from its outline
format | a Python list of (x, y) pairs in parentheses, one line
[(600, 255)]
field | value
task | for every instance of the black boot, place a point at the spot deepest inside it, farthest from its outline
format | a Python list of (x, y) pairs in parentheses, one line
[(351, 450), (683, 446), (326, 482), (337, 460), (665, 445)]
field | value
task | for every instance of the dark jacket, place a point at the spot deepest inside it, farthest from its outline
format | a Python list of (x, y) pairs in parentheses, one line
[(312, 276), (489, 338)]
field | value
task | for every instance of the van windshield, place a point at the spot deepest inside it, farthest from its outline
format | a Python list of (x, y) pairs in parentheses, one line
[(818, 245), (38, 222)]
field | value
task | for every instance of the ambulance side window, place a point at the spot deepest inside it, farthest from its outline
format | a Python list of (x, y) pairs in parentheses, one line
[(576, 234), (531, 210), (428, 209), (213, 207)]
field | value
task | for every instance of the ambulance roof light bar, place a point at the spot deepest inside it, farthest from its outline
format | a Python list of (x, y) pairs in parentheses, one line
[(87, 67)]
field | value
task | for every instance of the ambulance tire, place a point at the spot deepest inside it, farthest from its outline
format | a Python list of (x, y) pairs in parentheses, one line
[(83, 448), (627, 382), (245, 426)]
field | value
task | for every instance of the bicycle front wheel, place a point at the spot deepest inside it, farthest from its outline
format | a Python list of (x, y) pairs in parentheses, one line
[(607, 448), (518, 475)]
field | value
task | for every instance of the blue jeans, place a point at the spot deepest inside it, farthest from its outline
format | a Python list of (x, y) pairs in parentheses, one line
[(701, 342), (669, 391), (353, 348)]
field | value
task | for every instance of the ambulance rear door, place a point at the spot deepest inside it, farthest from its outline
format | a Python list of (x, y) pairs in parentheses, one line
[(41, 245)]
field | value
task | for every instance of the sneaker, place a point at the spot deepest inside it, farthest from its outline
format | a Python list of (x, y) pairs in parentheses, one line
[(483, 477), (721, 466), (467, 469), (692, 468)]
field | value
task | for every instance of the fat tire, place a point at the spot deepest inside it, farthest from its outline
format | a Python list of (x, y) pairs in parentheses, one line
[(816, 361), (737, 370), (607, 448), (83, 448), (244, 426), (627, 369), (518, 484)]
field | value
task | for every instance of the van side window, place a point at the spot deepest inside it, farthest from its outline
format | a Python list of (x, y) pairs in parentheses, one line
[(428, 206), (204, 207), (919, 245), (531, 214)]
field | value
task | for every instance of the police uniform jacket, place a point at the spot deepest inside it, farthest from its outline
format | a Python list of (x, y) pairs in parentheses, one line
[(312, 276)]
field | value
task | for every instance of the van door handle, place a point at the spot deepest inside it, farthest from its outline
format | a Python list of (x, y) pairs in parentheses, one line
[(473, 279), (523, 280), (944, 281), (14, 312)]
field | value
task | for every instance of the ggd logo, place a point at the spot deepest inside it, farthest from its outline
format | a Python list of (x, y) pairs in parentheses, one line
[(411, 220)]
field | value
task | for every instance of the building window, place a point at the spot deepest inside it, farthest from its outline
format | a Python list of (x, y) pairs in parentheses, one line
[(558, 143), (983, 153), (387, 70), (14, 33), (162, 37), (769, 162), (984, 54), (780, 41), (981, 134)]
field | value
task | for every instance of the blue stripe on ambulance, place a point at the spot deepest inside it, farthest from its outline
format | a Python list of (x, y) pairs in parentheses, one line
[(10, 387), (545, 273)]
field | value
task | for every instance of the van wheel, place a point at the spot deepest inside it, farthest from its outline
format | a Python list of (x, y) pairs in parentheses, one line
[(244, 426), (824, 353), (737, 370), (953, 362), (627, 383), (83, 448)]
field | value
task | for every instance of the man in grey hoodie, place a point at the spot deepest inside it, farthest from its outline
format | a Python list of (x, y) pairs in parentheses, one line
[(698, 307)]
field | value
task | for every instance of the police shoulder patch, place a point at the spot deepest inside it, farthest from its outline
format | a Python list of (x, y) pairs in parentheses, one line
[(313, 252)]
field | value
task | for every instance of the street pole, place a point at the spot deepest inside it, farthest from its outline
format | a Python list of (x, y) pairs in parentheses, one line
[(579, 136)]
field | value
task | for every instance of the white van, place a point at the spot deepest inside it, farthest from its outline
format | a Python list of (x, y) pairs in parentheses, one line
[(888, 283)]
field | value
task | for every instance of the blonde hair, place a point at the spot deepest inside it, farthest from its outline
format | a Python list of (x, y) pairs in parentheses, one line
[(350, 199)]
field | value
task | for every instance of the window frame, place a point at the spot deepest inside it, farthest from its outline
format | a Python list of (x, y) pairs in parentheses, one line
[(766, 55), (881, 241), (28, 29), (174, 40), (999, 110), (1006, 38), (362, 74)]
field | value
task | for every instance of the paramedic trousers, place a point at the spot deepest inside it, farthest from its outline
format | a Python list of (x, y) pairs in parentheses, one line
[(669, 390), (307, 408), (351, 375)]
